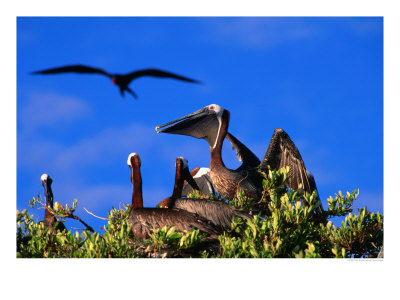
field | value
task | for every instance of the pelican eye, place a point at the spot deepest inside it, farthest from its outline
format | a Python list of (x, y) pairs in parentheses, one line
[(211, 107)]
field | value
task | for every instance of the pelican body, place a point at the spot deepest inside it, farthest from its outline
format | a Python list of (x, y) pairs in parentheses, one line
[(143, 220)]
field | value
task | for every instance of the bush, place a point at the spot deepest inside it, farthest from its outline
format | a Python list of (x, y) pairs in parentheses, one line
[(287, 223)]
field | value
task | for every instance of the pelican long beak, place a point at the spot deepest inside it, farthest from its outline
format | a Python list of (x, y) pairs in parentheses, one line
[(193, 115), (201, 124), (131, 177), (188, 177), (48, 192)]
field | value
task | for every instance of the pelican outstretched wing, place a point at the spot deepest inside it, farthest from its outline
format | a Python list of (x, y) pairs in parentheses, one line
[(243, 154), (283, 152)]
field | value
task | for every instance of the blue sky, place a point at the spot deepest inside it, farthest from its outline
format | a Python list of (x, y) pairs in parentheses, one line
[(319, 79)]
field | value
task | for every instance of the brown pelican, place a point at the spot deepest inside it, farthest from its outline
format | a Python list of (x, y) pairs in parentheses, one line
[(143, 220), (122, 80), (49, 219), (211, 123), (218, 212)]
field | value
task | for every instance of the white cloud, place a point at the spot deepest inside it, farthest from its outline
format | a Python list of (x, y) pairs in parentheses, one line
[(365, 26), (267, 32), (47, 109), (35, 153), (261, 32), (93, 150), (134, 137)]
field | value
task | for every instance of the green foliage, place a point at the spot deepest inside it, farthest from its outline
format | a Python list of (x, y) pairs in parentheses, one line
[(288, 227), (341, 205), (360, 235), (195, 194), (286, 224), (242, 202), (166, 241), (164, 238), (190, 239), (33, 240), (58, 210)]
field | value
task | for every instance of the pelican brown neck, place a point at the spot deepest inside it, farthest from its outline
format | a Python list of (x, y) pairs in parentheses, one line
[(182, 173), (136, 178), (216, 150), (178, 186)]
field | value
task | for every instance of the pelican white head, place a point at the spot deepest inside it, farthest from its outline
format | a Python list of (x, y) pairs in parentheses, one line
[(44, 177), (218, 109), (185, 162), (130, 157)]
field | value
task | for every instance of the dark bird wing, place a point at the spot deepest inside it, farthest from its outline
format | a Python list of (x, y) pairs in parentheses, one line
[(218, 212), (313, 187), (311, 180), (143, 220), (282, 152), (243, 154), (73, 69), (157, 73)]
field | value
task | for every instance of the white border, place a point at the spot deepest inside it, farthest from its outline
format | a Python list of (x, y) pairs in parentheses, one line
[(100, 279)]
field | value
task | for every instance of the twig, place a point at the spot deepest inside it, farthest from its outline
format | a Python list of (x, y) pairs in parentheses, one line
[(80, 220), (65, 215), (123, 205), (240, 181), (77, 228), (90, 213)]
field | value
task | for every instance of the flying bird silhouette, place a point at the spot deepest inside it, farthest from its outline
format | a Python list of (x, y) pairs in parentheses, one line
[(122, 80)]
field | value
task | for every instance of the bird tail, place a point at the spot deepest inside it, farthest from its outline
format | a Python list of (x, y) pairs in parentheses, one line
[(129, 91), (241, 214)]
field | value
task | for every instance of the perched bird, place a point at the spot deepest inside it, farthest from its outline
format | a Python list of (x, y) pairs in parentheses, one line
[(218, 212), (122, 80), (49, 219), (211, 123), (143, 220)]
